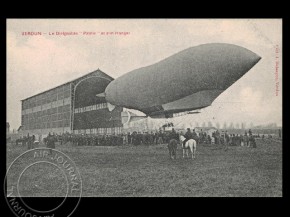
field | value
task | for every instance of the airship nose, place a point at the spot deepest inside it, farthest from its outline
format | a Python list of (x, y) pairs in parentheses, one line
[(256, 58), (248, 60)]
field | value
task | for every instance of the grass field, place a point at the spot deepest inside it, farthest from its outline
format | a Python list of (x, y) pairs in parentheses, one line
[(148, 171)]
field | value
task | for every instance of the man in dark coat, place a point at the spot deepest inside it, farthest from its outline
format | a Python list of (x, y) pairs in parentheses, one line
[(195, 136), (227, 140), (188, 135), (173, 135), (28, 142), (50, 142)]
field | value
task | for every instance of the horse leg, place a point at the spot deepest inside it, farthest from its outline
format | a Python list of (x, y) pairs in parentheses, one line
[(187, 153), (191, 150)]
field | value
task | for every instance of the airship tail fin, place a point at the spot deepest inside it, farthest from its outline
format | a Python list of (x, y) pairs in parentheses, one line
[(101, 94), (110, 106)]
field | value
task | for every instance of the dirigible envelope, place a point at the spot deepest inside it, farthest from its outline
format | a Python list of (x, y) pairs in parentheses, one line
[(189, 80)]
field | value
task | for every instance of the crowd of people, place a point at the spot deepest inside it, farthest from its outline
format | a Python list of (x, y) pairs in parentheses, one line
[(142, 138), (248, 139)]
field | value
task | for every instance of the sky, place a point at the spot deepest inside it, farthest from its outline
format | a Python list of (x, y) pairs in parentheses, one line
[(40, 62)]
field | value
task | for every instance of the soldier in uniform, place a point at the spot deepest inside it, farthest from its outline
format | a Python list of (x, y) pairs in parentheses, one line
[(217, 134), (246, 140), (151, 138), (173, 135), (227, 140), (129, 137), (195, 136), (50, 142), (200, 136), (160, 137), (28, 142)]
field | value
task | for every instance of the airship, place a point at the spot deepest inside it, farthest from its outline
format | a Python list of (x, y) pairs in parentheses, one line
[(186, 81)]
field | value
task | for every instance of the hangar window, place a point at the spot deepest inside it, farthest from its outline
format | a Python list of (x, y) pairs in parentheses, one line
[(59, 109), (109, 131), (66, 123), (102, 130), (66, 94)]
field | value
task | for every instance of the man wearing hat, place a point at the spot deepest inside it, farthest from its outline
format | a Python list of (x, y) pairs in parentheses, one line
[(194, 135), (188, 135)]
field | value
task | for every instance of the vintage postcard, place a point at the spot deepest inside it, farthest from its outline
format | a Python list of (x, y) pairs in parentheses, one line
[(143, 108)]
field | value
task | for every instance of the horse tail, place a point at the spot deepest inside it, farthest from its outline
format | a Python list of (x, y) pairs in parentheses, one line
[(194, 144)]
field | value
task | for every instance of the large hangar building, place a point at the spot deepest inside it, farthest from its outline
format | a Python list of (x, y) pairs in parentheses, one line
[(72, 107)]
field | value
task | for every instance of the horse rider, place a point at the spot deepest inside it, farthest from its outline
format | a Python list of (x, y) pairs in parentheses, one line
[(188, 135)]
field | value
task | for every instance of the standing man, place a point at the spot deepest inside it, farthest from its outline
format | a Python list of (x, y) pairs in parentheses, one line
[(151, 138), (50, 142), (226, 139), (217, 137), (155, 138), (160, 138), (129, 138), (246, 140), (28, 142), (200, 136)]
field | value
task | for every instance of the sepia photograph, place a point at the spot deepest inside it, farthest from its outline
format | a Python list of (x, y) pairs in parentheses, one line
[(143, 108)]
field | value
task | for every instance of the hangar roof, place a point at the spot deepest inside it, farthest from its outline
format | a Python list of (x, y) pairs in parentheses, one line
[(96, 72)]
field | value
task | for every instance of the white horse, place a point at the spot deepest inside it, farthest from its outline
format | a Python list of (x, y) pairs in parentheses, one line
[(190, 144)]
